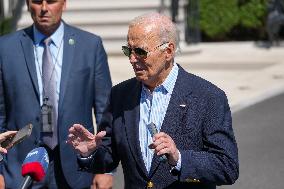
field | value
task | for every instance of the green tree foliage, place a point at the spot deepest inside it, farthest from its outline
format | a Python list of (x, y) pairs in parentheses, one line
[(252, 13), (5, 26), (219, 17)]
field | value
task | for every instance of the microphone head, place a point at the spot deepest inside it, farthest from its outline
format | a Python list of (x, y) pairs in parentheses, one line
[(36, 164), (152, 129)]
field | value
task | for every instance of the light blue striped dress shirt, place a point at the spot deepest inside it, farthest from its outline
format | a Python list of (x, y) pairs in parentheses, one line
[(56, 48), (153, 107)]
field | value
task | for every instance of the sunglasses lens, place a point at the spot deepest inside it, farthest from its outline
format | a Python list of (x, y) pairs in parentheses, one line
[(126, 50), (140, 52), (47, 1)]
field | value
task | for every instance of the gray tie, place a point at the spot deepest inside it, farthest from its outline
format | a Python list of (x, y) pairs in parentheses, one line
[(49, 91)]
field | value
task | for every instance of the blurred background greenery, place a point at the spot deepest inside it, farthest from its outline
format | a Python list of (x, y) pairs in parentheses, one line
[(218, 20), (5, 26), (222, 20)]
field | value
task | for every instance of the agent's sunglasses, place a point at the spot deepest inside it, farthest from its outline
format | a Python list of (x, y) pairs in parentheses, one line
[(141, 53), (47, 1)]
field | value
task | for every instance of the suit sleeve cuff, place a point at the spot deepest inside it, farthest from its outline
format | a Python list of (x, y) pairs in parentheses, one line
[(112, 172), (178, 165), (85, 162), (175, 170)]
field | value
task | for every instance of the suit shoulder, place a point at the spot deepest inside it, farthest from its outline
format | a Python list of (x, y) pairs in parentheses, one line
[(127, 84), (10, 41), (8, 38), (83, 33), (200, 85)]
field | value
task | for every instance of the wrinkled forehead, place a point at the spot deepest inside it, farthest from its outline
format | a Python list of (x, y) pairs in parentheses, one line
[(142, 35)]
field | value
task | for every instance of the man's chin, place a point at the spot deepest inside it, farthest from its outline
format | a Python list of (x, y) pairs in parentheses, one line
[(43, 25), (45, 28), (141, 77)]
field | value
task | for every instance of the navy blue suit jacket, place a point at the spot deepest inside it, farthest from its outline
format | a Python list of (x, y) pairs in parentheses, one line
[(198, 118), (85, 84)]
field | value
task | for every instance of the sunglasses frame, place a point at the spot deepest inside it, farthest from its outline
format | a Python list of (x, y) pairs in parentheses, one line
[(47, 1), (141, 53), (137, 51)]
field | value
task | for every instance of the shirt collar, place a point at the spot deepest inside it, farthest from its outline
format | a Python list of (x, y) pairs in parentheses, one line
[(168, 84), (56, 37), (170, 81)]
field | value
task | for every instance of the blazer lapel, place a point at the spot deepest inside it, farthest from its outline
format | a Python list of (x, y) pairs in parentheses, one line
[(68, 54), (177, 107), (28, 49), (132, 117)]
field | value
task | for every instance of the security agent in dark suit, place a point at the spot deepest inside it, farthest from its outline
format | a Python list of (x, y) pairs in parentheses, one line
[(192, 117), (275, 20), (81, 80)]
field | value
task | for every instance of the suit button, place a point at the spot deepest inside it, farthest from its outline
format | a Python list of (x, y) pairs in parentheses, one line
[(150, 184), (37, 119), (175, 172)]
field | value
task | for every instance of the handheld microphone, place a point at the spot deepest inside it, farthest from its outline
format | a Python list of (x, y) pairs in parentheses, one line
[(34, 166), (153, 130)]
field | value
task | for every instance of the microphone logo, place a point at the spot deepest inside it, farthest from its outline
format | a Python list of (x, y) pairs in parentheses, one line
[(36, 164), (32, 153)]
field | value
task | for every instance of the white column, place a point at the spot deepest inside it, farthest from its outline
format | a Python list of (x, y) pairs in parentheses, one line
[(6, 8)]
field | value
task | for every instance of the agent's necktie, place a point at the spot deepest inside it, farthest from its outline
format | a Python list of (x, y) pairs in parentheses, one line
[(49, 91)]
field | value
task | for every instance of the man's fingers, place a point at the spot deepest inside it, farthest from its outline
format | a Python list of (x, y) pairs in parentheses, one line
[(100, 135), (163, 144), (80, 129), (9, 133), (83, 141), (159, 141), (81, 132), (160, 135), (163, 150), (3, 150), (71, 138), (160, 147)]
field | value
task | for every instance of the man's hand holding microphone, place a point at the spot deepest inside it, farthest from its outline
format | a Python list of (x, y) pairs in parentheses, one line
[(163, 144)]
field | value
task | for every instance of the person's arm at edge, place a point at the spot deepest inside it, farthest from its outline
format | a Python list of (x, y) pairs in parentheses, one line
[(2, 115)]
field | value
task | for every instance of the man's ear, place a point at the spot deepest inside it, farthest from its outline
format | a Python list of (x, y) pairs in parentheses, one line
[(170, 50)]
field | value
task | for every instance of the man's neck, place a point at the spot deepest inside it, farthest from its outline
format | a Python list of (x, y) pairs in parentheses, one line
[(48, 31)]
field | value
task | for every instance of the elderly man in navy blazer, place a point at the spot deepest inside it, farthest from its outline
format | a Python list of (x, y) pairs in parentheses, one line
[(167, 127), (81, 80)]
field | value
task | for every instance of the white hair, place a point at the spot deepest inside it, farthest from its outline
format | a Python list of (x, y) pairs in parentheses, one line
[(167, 30)]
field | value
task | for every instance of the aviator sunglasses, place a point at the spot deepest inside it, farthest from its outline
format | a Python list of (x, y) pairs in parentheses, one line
[(47, 1), (141, 53)]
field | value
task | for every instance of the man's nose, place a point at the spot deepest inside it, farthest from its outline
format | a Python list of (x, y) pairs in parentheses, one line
[(132, 58), (43, 6)]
